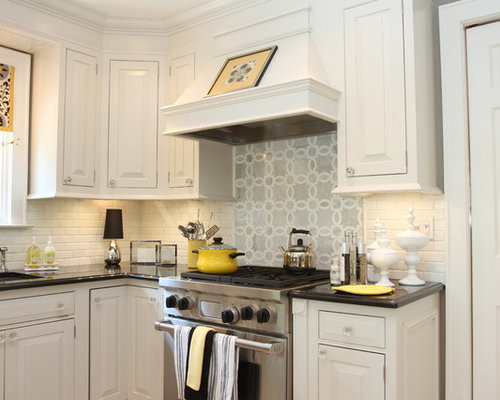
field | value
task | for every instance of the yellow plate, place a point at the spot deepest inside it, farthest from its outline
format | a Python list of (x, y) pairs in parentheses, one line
[(368, 290)]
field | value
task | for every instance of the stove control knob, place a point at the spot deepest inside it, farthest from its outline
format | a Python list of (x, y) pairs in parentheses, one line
[(264, 315), (248, 313), (171, 301), (230, 315), (184, 304)]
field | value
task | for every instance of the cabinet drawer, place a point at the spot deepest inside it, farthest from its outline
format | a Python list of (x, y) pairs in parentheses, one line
[(352, 329), (39, 307)]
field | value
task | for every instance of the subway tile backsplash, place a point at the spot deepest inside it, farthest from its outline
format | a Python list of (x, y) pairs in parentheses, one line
[(279, 185)]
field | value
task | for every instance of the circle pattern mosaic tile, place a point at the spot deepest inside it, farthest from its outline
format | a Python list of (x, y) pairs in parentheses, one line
[(287, 184)]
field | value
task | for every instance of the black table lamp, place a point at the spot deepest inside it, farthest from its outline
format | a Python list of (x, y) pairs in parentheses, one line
[(113, 229)]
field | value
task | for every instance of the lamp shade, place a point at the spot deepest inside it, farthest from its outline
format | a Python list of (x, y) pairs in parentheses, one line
[(113, 227)]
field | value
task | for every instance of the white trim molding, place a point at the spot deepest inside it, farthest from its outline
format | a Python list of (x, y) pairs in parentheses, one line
[(454, 18)]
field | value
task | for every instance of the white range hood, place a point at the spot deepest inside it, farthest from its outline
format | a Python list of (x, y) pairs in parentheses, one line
[(290, 101)]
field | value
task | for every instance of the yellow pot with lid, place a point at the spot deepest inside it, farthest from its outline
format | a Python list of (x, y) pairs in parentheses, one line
[(217, 258)]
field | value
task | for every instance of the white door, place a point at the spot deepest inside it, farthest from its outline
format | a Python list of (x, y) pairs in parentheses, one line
[(108, 351), (80, 119), (133, 124), (483, 55), (40, 361), (181, 152), (375, 126), (346, 374), (2, 364), (145, 344)]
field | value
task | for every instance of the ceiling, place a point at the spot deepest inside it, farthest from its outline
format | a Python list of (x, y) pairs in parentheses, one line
[(127, 8)]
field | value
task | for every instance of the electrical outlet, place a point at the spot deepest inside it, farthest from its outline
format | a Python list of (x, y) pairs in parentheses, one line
[(427, 228)]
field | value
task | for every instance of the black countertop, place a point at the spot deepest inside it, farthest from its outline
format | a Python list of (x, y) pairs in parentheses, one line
[(85, 273), (401, 296)]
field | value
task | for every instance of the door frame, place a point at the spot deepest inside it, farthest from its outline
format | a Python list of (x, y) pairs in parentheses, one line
[(454, 19)]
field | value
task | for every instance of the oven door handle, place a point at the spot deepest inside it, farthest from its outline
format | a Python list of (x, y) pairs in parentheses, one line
[(268, 348)]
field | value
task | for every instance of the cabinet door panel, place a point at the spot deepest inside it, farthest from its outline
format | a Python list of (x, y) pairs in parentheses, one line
[(350, 374), (80, 119), (107, 343), (375, 89), (133, 122), (181, 152), (40, 360), (145, 363), (180, 162)]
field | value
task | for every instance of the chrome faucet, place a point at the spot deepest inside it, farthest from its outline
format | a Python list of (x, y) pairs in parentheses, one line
[(3, 267)]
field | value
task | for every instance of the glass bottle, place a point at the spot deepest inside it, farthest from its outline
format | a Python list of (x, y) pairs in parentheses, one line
[(49, 252), (33, 253)]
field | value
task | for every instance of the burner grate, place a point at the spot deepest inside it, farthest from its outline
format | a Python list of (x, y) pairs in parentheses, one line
[(272, 277)]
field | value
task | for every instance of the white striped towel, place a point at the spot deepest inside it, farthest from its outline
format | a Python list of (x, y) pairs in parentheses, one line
[(181, 341), (223, 376)]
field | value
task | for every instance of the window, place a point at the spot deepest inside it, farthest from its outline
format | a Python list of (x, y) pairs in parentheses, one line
[(15, 76)]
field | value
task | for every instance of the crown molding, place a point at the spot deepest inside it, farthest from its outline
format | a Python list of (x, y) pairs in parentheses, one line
[(139, 26), (68, 12), (206, 13)]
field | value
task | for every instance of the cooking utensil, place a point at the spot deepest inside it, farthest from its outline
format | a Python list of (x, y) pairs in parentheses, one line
[(183, 231), (211, 231), (191, 230), (299, 257), (217, 258)]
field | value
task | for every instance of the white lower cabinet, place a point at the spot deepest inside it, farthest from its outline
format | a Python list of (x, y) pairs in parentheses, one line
[(346, 351), (350, 374), (145, 345), (107, 343), (40, 361), (126, 353)]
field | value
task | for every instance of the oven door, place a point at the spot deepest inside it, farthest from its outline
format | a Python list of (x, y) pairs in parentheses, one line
[(262, 376)]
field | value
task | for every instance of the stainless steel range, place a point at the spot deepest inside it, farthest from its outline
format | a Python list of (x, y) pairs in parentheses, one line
[(252, 304)]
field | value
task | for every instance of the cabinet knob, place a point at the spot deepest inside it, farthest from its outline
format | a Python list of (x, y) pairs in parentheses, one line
[(350, 171), (322, 354), (152, 300), (67, 179), (12, 336), (189, 181), (60, 306), (347, 330), (112, 182), (97, 300)]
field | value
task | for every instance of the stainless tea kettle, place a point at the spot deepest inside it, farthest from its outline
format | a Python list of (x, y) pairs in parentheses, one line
[(299, 257)]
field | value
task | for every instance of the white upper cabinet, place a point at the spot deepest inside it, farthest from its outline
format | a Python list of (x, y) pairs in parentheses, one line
[(389, 140), (63, 149), (374, 78), (80, 119), (180, 151), (133, 124), (196, 169)]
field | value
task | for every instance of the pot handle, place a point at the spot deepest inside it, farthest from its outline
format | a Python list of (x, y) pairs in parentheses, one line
[(234, 255), (302, 231), (195, 251)]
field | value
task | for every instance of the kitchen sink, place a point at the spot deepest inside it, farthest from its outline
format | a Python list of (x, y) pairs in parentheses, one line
[(6, 277)]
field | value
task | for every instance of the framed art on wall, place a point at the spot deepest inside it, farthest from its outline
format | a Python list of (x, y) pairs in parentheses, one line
[(243, 71)]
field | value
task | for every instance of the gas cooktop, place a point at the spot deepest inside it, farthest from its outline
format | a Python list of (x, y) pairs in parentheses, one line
[(272, 277)]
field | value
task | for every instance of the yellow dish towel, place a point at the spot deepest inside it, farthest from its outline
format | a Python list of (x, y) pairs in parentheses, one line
[(368, 290), (196, 351)]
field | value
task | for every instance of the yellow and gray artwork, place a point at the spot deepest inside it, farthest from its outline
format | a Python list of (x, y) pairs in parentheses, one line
[(6, 97)]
